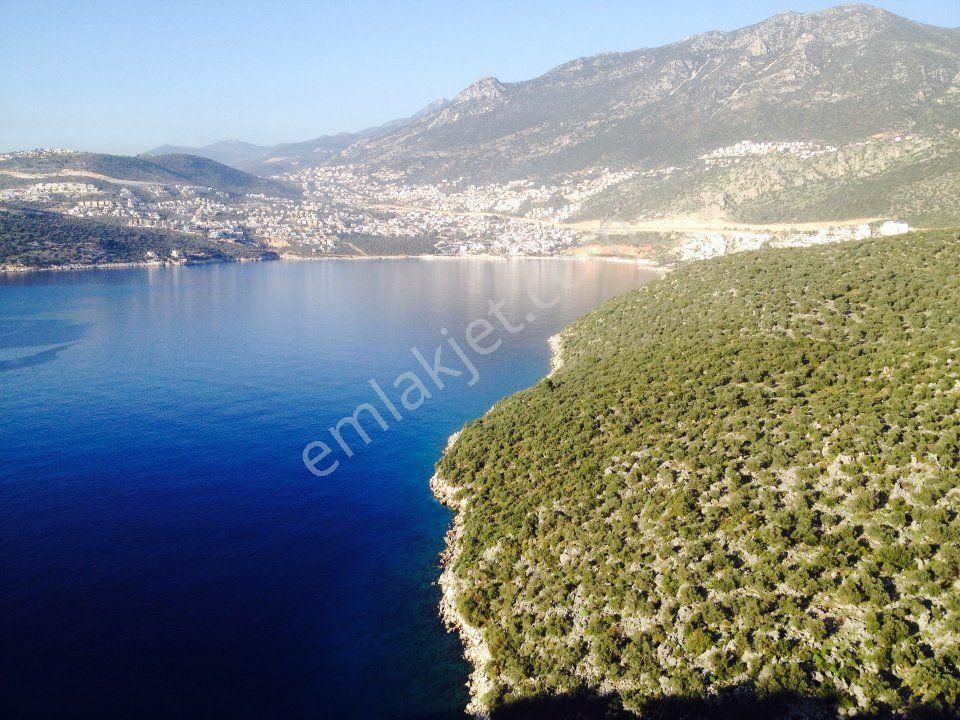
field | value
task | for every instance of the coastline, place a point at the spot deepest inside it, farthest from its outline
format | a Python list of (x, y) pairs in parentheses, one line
[(72, 267), (475, 648), (641, 263)]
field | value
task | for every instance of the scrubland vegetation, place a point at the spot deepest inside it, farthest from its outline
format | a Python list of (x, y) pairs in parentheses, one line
[(747, 472)]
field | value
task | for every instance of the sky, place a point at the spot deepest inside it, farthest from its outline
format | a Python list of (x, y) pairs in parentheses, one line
[(127, 76)]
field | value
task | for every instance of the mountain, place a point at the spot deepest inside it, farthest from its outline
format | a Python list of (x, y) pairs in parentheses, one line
[(173, 169), (742, 479), (828, 78), (209, 173), (286, 157), (229, 152), (266, 160)]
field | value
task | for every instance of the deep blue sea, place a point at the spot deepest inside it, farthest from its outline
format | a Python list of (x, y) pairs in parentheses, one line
[(164, 551)]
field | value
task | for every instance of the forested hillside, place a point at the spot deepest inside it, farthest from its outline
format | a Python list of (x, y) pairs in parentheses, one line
[(36, 239), (746, 474)]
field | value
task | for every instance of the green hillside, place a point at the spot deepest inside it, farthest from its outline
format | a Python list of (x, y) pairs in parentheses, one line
[(746, 474), (35, 239)]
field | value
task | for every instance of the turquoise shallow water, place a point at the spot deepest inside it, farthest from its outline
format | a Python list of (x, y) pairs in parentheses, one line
[(164, 551)]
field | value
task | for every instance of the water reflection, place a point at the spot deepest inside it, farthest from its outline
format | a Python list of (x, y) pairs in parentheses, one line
[(34, 332), (39, 358), (22, 333)]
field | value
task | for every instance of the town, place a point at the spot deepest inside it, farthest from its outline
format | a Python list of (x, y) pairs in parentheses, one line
[(355, 210)]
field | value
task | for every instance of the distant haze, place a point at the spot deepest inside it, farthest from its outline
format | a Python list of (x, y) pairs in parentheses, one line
[(117, 77)]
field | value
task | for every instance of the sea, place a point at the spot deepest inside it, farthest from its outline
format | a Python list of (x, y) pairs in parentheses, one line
[(214, 494)]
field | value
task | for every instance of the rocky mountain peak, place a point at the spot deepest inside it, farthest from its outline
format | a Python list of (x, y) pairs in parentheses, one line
[(850, 22), (484, 89), (838, 26), (437, 104)]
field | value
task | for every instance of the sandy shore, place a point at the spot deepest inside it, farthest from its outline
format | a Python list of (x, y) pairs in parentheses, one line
[(643, 264)]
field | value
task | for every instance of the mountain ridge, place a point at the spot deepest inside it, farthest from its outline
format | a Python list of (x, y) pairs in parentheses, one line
[(284, 157), (838, 75), (167, 169)]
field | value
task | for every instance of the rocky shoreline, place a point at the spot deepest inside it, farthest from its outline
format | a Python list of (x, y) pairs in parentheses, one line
[(475, 648), (70, 267), (556, 353), (80, 266)]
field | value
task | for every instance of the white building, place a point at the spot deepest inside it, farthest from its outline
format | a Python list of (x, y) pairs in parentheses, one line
[(891, 227)]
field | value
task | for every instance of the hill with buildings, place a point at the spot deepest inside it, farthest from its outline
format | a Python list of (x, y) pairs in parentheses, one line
[(850, 112)]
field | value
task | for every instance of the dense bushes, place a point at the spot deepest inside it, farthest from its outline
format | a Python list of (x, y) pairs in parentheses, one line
[(37, 239), (745, 472)]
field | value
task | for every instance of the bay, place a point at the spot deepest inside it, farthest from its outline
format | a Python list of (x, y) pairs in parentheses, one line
[(164, 550)]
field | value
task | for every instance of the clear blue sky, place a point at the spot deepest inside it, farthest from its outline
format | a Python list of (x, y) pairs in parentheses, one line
[(126, 76)]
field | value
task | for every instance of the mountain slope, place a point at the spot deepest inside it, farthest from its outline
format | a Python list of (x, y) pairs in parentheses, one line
[(235, 153), (275, 159), (831, 77), (745, 474), (915, 179), (176, 169)]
